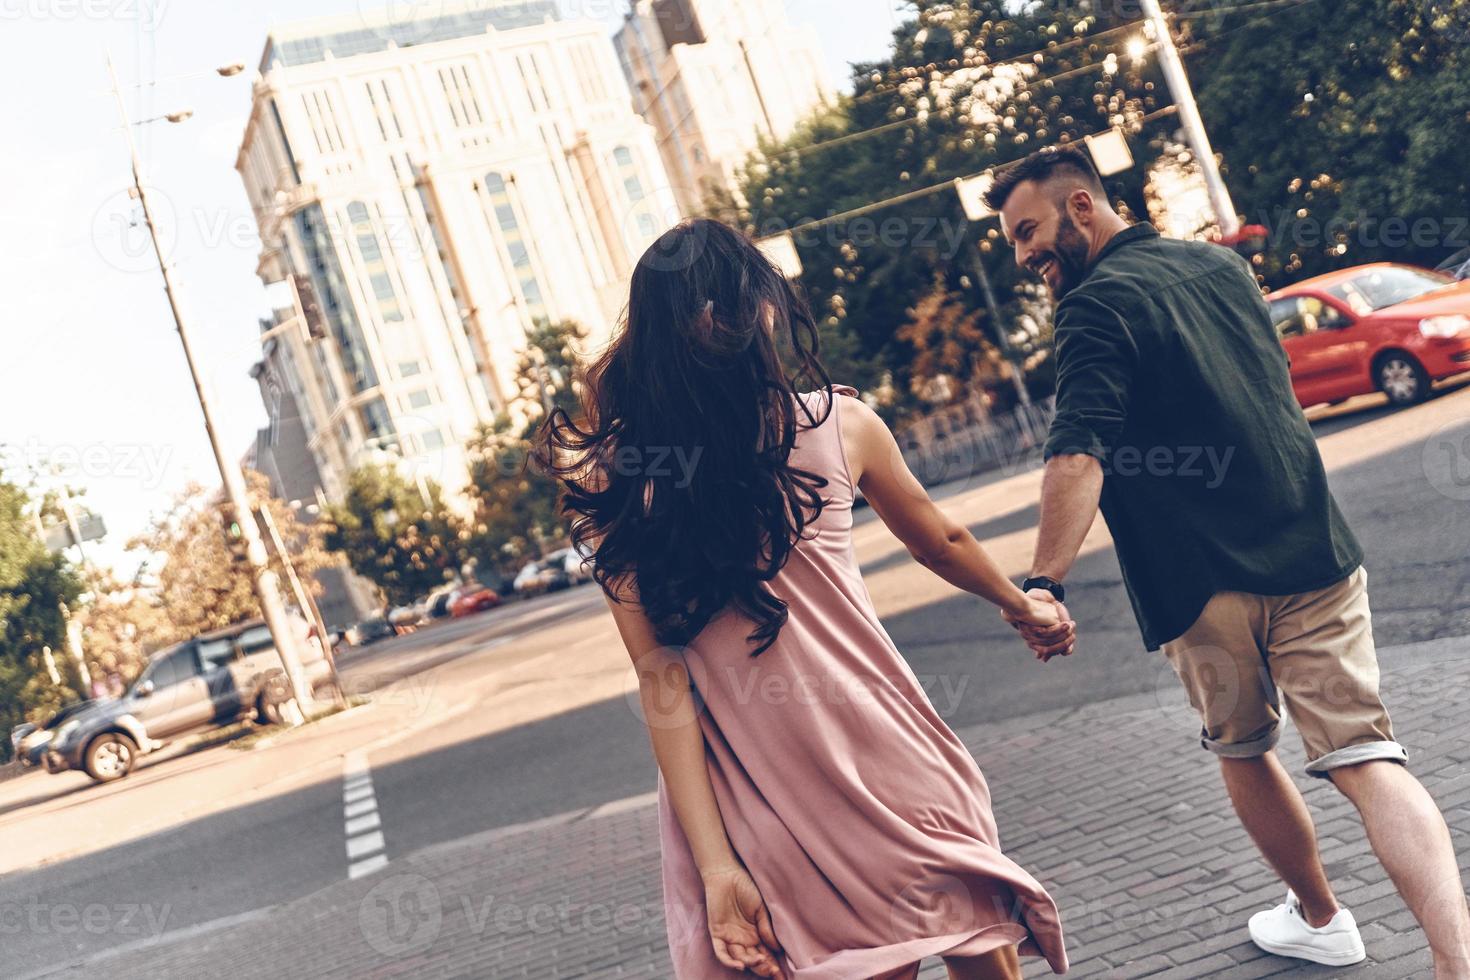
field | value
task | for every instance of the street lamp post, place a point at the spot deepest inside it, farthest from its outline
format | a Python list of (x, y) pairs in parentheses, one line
[(262, 576), (1189, 117)]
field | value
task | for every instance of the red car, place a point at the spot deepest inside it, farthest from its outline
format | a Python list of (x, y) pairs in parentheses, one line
[(472, 600), (1381, 327)]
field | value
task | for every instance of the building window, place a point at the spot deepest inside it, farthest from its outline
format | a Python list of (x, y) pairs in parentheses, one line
[(420, 398), (409, 368), (515, 245), (331, 289), (323, 119), (460, 94), (432, 439), (377, 424), (374, 262), (534, 87), (383, 111)]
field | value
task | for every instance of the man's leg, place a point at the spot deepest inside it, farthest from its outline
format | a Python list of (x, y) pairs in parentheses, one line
[(1275, 815), (1323, 660), (1409, 835), (1221, 662)]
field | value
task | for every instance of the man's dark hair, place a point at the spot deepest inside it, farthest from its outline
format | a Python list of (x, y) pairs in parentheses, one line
[(1041, 166)]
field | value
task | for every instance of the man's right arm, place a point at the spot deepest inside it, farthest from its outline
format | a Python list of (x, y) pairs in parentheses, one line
[(1097, 362)]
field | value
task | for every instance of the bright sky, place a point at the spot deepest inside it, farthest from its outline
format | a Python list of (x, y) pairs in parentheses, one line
[(92, 376)]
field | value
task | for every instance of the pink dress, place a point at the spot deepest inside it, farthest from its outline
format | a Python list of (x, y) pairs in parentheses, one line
[(860, 815)]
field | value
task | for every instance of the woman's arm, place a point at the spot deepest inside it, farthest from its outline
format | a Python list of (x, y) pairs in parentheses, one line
[(936, 541), (673, 728), (740, 924)]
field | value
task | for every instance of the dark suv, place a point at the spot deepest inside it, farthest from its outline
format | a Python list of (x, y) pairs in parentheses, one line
[(207, 682)]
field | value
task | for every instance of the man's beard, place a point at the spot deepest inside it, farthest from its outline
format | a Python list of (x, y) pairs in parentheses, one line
[(1069, 251)]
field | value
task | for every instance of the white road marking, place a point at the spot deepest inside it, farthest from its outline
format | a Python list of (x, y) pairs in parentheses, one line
[(358, 808), (361, 823), (367, 866), (364, 844), (368, 821), (354, 793)]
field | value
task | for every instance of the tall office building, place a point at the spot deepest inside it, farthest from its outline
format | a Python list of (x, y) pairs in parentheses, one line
[(713, 77), (432, 187)]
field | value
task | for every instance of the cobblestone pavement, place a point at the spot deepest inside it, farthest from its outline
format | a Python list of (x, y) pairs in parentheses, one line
[(1112, 805)]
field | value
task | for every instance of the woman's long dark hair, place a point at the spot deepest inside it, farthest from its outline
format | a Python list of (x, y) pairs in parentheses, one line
[(678, 471)]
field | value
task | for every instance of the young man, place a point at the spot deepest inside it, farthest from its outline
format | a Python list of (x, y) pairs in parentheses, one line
[(1175, 414)]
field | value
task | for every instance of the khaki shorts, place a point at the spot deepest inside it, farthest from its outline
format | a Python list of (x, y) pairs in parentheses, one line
[(1314, 650)]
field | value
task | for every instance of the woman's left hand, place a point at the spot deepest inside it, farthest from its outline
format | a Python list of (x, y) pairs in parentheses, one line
[(739, 923)]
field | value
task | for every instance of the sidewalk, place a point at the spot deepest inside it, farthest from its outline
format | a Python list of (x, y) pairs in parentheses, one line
[(1113, 806)]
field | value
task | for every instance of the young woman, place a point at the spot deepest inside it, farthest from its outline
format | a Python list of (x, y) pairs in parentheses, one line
[(819, 820)]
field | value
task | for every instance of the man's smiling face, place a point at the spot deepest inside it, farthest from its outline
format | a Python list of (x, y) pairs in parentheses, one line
[(1046, 240)]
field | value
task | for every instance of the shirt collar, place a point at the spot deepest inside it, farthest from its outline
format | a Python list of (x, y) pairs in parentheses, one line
[(1130, 234)]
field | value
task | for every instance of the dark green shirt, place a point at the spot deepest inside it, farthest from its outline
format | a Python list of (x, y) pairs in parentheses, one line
[(1170, 373)]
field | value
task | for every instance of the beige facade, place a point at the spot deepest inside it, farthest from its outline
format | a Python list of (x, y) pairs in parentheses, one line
[(435, 186), (715, 76)]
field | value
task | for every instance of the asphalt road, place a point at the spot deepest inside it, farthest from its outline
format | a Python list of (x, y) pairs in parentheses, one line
[(1415, 531)]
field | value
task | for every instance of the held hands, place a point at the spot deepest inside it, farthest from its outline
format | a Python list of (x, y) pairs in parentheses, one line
[(739, 922), (1045, 625)]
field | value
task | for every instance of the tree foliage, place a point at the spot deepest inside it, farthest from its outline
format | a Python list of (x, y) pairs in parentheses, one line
[(36, 587), (201, 582), (1347, 143), (515, 506), (968, 86), (396, 532)]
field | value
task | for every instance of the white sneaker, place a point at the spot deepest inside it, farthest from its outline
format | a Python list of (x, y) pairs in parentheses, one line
[(1285, 932)]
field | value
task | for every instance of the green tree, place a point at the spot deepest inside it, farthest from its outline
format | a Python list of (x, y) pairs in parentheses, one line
[(35, 587), (515, 505), (395, 533), (1347, 144), (203, 582), (968, 86)]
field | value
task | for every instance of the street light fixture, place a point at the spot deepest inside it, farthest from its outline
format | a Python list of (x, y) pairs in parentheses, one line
[(263, 577)]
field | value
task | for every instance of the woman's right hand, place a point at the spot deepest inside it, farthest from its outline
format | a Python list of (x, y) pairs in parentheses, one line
[(739, 923)]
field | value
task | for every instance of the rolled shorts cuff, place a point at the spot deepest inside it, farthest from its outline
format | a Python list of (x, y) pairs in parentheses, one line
[(1243, 750), (1352, 755)]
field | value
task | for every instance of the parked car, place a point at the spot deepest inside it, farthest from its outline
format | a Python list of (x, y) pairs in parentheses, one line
[(578, 564), (1457, 265), (472, 599), (371, 630), (547, 575), (29, 740), (436, 604), (207, 682), (1381, 327), (404, 619)]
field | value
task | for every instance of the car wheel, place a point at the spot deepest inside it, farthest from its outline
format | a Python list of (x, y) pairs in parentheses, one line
[(275, 691), (1402, 379), (110, 756)]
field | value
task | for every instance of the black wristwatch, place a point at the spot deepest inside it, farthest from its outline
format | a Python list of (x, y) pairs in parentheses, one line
[(1049, 584)]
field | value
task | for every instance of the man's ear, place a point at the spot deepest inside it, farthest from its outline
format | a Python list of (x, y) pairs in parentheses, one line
[(1081, 207)]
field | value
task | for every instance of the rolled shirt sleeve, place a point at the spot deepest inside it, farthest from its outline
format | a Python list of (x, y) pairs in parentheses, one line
[(1096, 363)]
